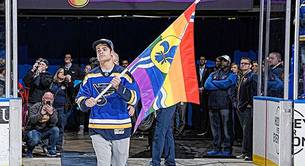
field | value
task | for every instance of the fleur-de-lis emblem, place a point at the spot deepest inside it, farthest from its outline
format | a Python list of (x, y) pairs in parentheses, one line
[(162, 54)]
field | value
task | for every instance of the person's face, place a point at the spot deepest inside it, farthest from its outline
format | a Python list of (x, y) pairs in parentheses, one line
[(103, 53), (217, 62), (224, 63), (43, 66), (61, 74), (202, 61), (68, 58), (273, 60), (255, 67), (245, 65), (125, 63), (47, 97), (87, 68), (234, 68)]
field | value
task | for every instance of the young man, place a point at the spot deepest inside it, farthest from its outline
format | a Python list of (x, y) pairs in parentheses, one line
[(246, 89), (109, 123)]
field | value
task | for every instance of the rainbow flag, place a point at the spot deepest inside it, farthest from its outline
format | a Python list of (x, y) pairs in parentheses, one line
[(165, 71)]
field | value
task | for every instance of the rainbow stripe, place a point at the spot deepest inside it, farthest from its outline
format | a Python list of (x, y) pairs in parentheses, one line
[(165, 71)]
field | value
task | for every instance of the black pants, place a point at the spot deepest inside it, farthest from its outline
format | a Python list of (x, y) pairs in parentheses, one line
[(246, 121)]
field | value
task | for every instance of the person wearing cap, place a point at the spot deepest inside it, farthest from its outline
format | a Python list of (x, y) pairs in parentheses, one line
[(41, 125), (219, 85), (38, 79), (109, 122)]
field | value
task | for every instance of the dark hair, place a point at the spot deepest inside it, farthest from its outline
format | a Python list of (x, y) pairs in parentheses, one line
[(277, 54), (246, 58)]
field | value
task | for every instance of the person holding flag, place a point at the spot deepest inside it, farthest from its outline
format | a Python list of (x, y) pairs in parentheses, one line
[(109, 122)]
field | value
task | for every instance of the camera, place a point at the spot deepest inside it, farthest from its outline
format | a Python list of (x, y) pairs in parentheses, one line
[(48, 102)]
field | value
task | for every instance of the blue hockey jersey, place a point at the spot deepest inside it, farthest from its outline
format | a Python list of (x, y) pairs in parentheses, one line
[(110, 116)]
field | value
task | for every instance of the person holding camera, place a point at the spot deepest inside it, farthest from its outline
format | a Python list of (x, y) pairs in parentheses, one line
[(38, 79), (42, 125), (62, 88)]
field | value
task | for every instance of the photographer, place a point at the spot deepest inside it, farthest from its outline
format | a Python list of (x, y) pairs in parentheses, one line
[(42, 125), (38, 80), (62, 88)]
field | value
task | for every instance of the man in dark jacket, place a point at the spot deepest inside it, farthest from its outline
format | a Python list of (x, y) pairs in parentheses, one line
[(246, 89), (275, 75), (38, 79), (42, 125), (200, 112), (219, 85)]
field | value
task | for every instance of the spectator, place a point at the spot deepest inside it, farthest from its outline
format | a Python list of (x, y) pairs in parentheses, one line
[(234, 68), (62, 88), (201, 113), (255, 67), (218, 86), (125, 63), (275, 75), (217, 63), (38, 80), (163, 137), (246, 89), (76, 74), (109, 123), (42, 122)]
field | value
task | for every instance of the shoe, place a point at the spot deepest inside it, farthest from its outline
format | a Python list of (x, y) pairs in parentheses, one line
[(44, 149), (226, 153), (214, 153), (242, 156), (52, 153), (248, 158), (202, 134)]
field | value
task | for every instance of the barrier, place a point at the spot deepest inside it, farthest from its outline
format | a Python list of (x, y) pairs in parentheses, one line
[(11, 133), (272, 130), (299, 132)]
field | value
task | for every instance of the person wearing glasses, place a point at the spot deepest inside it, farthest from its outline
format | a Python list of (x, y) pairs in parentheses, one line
[(246, 89)]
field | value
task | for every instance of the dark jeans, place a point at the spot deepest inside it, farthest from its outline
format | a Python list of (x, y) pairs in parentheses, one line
[(34, 137), (221, 119), (62, 121), (163, 138), (246, 121), (180, 117)]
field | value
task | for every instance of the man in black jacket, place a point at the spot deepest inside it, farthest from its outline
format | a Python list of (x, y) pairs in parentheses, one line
[(38, 79), (42, 125), (201, 113), (246, 89)]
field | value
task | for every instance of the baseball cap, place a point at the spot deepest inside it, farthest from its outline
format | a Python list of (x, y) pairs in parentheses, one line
[(226, 57), (45, 61), (103, 41)]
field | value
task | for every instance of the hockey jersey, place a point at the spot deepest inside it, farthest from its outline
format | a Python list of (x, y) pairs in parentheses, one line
[(110, 116)]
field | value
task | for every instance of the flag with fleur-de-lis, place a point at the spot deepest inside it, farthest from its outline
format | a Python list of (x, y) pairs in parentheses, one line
[(165, 71)]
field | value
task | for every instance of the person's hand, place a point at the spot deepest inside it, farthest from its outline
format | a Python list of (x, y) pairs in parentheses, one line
[(116, 82), (43, 110), (90, 102), (68, 78), (131, 110), (34, 67), (49, 109)]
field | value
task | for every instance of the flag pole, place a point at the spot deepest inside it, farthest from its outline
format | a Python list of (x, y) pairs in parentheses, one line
[(109, 86)]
